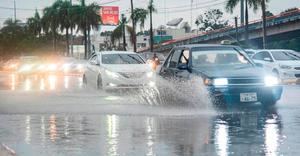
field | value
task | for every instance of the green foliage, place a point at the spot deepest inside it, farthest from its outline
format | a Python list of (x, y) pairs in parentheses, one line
[(139, 16), (211, 19)]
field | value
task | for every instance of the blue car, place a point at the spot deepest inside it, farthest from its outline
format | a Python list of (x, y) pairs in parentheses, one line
[(229, 75)]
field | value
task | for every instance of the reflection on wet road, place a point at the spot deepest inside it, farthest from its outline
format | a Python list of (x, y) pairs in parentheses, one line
[(41, 83), (76, 120)]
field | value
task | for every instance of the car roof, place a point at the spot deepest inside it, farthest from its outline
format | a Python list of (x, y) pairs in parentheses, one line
[(206, 45), (276, 50), (115, 52)]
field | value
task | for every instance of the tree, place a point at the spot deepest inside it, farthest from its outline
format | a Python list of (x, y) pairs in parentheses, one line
[(211, 19), (269, 14), (151, 9), (86, 18), (64, 18), (255, 4), (50, 22), (140, 16), (93, 21), (35, 24)]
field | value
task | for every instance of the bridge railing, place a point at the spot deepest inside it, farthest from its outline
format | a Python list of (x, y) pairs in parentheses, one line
[(226, 29)]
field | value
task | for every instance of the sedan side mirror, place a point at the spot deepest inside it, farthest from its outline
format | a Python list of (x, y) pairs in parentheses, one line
[(182, 67)]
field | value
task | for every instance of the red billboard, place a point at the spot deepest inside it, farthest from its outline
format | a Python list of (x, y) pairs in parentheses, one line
[(109, 15)]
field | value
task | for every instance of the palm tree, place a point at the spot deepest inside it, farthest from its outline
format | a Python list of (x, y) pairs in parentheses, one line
[(35, 24), (64, 18), (86, 18), (50, 22), (140, 16), (151, 9), (93, 21), (255, 4)]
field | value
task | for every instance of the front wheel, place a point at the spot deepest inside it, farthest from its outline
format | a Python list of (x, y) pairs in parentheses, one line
[(99, 83), (84, 80)]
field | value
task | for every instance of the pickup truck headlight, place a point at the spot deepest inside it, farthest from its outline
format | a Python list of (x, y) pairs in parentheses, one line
[(285, 67), (220, 82), (111, 74), (271, 81)]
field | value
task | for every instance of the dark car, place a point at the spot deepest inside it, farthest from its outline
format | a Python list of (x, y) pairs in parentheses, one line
[(227, 72)]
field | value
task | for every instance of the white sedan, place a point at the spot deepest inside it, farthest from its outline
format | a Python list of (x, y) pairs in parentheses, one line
[(118, 69), (284, 63)]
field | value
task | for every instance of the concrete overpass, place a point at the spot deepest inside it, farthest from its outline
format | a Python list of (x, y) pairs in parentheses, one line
[(283, 26)]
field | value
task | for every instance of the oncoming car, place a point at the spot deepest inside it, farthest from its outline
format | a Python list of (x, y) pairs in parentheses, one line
[(284, 63), (229, 75), (118, 69)]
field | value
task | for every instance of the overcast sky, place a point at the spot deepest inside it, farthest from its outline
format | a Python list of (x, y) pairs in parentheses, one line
[(173, 8)]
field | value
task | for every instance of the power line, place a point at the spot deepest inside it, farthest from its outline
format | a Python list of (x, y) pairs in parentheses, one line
[(194, 8)]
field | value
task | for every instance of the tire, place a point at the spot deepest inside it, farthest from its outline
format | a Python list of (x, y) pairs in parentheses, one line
[(99, 82), (84, 80)]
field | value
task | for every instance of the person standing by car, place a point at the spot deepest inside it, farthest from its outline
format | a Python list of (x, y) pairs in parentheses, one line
[(155, 61)]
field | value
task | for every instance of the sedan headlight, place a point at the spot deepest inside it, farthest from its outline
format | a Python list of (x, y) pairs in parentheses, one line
[(150, 74), (285, 67), (220, 82), (271, 81), (26, 68), (111, 74)]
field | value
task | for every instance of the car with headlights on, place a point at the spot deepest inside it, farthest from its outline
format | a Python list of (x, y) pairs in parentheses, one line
[(284, 63), (228, 74), (70, 65), (118, 69), (28, 65)]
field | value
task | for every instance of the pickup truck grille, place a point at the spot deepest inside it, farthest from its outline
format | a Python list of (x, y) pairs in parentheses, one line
[(246, 81)]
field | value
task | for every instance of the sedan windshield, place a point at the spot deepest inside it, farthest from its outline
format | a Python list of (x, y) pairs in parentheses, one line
[(218, 57), (284, 56), (122, 59)]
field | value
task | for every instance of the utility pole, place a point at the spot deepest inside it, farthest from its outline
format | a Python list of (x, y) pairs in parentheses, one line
[(264, 21), (123, 31), (151, 27), (71, 33), (133, 27), (15, 11), (247, 24), (191, 14), (242, 12), (236, 29)]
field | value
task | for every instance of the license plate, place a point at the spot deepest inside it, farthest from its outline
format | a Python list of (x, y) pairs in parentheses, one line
[(248, 97)]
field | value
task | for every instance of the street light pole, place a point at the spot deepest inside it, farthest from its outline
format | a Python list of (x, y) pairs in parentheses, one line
[(15, 11)]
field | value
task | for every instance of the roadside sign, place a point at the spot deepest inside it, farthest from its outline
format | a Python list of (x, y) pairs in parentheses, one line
[(109, 15)]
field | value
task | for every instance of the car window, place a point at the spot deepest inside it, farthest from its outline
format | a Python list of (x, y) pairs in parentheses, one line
[(218, 57), (262, 56), (93, 60), (175, 58), (122, 59), (283, 56), (167, 62), (184, 59)]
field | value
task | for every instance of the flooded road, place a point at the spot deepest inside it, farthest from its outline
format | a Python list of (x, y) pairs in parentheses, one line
[(58, 115)]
